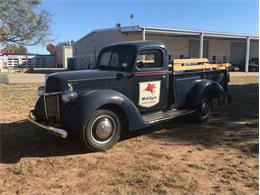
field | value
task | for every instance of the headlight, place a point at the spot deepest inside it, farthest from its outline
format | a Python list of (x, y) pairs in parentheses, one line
[(41, 90), (69, 96)]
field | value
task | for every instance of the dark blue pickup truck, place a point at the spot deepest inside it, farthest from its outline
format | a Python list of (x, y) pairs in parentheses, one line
[(132, 87)]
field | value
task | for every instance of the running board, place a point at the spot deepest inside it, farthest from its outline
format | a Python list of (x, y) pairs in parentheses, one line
[(157, 117)]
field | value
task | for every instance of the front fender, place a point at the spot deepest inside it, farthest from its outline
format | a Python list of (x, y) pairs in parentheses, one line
[(205, 87), (90, 101)]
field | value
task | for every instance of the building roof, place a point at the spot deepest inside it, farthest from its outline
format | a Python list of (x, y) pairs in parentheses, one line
[(174, 31), (95, 31)]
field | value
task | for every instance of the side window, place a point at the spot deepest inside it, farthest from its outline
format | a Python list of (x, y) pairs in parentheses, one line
[(109, 59), (105, 58), (114, 60), (150, 59)]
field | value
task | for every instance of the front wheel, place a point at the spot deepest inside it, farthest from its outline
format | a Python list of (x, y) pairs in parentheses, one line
[(203, 110), (102, 130)]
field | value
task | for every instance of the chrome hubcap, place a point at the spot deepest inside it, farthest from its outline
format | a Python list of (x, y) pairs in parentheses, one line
[(205, 108), (103, 129)]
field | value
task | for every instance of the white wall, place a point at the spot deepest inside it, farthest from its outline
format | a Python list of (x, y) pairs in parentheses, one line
[(219, 48), (62, 54), (176, 46), (86, 50)]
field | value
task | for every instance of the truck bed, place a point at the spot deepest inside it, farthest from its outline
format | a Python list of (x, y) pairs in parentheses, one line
[(185, 72), (183, 82)]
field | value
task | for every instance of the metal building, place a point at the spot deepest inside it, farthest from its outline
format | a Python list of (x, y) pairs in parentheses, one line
[(236, 49)]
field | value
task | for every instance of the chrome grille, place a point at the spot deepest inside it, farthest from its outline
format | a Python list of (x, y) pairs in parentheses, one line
[(52, 106)]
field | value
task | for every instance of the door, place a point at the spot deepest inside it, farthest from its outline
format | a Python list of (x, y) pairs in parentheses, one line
[(194, 48), (237, 53), (150, 81)]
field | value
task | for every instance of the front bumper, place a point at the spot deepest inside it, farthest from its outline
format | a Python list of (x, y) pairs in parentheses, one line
[(60, 132)]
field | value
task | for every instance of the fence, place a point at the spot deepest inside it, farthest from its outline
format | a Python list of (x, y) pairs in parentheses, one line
[(27, 61)]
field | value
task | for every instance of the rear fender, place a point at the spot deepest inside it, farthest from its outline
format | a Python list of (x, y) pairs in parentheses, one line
[(205, 88), (89, 102)]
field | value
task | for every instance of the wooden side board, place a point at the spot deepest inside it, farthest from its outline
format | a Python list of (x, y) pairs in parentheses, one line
[(192, 64), (201, 67), (195, 64), (190, 61)]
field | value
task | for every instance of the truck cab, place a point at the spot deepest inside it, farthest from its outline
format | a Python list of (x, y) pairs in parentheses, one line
[(132, 87), (143, 75)]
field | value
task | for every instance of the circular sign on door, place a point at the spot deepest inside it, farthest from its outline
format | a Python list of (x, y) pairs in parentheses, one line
[(149, 93)]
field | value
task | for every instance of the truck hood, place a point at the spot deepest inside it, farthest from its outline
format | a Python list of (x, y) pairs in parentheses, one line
[(80, 80)]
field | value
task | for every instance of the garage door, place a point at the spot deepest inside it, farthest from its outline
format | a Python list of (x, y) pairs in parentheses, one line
[(194, 48), (237, 53)]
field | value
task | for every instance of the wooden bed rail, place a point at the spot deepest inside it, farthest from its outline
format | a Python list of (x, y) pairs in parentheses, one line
[(189, 61), (196, 64)]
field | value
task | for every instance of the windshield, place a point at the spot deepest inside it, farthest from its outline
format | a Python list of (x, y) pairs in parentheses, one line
[(116, 58)]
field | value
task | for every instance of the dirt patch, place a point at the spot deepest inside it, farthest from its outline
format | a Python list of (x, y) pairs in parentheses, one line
[(220, 157)]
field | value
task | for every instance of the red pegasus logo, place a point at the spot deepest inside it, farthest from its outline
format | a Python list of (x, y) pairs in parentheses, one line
[(150, 88)]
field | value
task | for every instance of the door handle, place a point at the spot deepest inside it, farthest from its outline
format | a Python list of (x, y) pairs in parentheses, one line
[(120, 76)]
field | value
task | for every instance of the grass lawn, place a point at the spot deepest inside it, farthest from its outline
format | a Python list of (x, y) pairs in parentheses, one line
[(219, 157)]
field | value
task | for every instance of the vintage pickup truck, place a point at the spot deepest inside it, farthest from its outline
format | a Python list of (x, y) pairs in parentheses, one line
[(132, 87)]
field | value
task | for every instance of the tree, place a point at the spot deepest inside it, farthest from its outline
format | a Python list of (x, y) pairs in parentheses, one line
[(19, 49), (23, 23), (65, 43)]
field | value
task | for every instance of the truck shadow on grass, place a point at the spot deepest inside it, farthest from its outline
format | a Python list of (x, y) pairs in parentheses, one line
[(234, 125), (23, 139)]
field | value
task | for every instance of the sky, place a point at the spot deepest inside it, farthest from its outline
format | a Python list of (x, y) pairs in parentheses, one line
[(72, 19)]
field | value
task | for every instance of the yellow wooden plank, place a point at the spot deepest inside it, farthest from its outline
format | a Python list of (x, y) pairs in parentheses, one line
[(189, 61), (201, 67)]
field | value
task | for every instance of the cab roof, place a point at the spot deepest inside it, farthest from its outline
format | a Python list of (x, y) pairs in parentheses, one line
[(138, 44)]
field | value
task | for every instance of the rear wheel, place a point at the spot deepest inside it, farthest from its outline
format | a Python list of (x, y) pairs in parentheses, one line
[(203, 110), (102, 130)]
